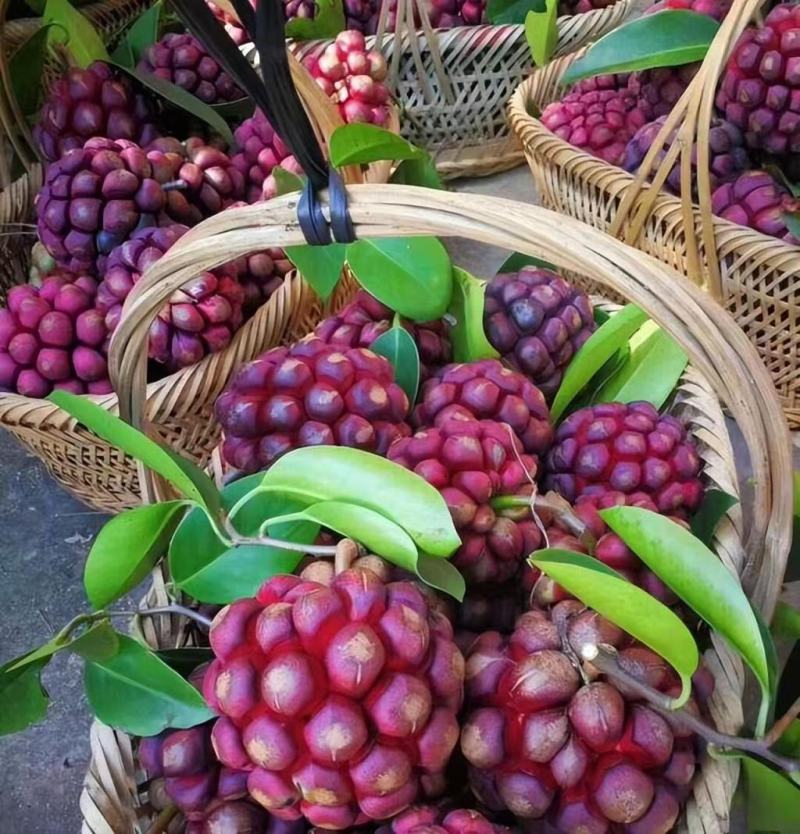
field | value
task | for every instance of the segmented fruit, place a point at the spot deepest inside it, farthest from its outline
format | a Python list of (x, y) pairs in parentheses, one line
[(260, 149)]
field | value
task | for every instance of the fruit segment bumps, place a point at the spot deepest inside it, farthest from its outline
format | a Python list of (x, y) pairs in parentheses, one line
[(627, 448), (340, 699), (310, 394), (430, 819)]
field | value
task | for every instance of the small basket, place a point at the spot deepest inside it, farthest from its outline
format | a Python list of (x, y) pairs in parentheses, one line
[(457, 110), (179, 408), (724, 369), (752, 275)]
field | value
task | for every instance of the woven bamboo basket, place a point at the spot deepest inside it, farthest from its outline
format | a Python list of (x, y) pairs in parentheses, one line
[(752, 275), (179, 407), (724, 369), (452, 85)]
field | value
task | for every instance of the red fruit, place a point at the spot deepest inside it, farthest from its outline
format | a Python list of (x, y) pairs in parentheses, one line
[(233, 27), (598, 116), (334, 695), (486, 390), (537, 321), (567, 7), (430, 819), (539, 739), (472, 462), (182, 60), (260, 149), (760, 87), (198, 319), (310, 394), (96, 101), (713, 8), (353, 78), (727, 154), (756, 200), (658, 90), (626, 448), (362, 321)]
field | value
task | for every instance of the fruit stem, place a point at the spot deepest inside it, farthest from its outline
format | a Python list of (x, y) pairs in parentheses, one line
[(162, 821), (604, 658), (782, 724), (554, 505), (182, 610)]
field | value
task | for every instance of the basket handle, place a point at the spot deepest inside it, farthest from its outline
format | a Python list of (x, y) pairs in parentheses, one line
[(715, 345)]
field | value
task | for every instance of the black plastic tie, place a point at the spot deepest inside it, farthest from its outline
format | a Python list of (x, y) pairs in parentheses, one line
[(341, 222), (312, 221)]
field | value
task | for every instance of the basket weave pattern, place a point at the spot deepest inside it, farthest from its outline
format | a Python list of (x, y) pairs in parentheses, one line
[(752, 275), (468, 134)]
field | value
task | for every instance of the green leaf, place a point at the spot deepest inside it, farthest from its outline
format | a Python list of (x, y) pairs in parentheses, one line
[(185, 661), (596, 351), (541, 32), (142, 33), (287, 182), (320, 266), (518, 260), (705, 521), (412, 275), (183, 100), (69, 28), (236, 111), (512, 11), (206, 568), (628, 606), (137, 692), (767, 708), (23, 699), (773, 802), (420, 172), (442, 575), (650, 373), (786, 621), (691, 570), (327, 22), (360, 144), (400, 349), (792, 221), (189, 479), (467, 335), (331, 473), (98, 643), (666, 39), (26, 63), (126, 550)]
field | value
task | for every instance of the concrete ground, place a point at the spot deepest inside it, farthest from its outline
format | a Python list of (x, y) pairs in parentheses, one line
[(45, 537)]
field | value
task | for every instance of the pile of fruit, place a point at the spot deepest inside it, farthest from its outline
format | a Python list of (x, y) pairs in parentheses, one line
[(119, 190), (754, 132), (354, 697)]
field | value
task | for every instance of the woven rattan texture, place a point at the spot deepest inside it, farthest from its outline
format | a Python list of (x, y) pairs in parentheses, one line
[(753, 276)]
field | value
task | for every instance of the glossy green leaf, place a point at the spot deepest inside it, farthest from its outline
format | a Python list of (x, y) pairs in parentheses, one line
[(596, 351), (183, 100), (377, 533), (789, 743), (792, 221), (23, 699), (142, 33), (697, 576), (320, 266), (766, 715), (512, 11), (360, 144), (651, 371), (773, 802), (185, 661), (189, 479), (137, 692), (397, 345), (420, 172), (786, 621), (43, 652), (98, 643), (287, 182), (412, 275), (331, 473), (442, 575), (467, 334), (666, 39), (541, 32), (628, 606), (518, 260), (210, 571), (27, 62), (712, 510), (127, 548), (73, 31), (327, 22)]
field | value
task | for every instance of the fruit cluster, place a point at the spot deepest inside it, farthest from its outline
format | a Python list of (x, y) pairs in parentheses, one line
[(754, 129), (120, 189)]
